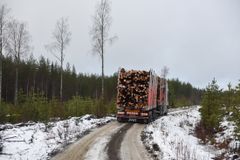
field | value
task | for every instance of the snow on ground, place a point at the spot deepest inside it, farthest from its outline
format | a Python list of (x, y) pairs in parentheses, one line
[(171, 137), (99, 150), (40, 141), (227, 138)]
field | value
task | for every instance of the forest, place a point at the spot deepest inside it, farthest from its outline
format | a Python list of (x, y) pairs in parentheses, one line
[(39, 91), (42, 89), (219, 106)]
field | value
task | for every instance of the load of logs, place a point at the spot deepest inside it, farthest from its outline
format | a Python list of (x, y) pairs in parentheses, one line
[(133, 88)]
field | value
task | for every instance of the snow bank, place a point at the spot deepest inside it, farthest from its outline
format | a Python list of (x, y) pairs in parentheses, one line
[(227, 138), (171, 137), (41, 141)]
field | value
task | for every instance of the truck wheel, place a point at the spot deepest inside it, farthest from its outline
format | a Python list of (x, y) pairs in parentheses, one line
[(146, 121), (120, 120), (154, 115), (150, 118)]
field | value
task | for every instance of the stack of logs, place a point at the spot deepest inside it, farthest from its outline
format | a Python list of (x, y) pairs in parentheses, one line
[(133, 88)]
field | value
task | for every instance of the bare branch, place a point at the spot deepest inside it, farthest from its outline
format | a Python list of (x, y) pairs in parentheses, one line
[(51, 49), (164, 71), (61, 39), (3, 37), (100, 29), (17, 45), (100, 32), (4, 19), (18, 39)]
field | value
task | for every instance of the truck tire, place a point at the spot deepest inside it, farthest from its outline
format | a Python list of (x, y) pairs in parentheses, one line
[(120, 120), (146, 121), (154, 115), (150, 117)]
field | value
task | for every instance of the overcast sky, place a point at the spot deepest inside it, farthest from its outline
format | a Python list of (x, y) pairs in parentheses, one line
[(196, 39)]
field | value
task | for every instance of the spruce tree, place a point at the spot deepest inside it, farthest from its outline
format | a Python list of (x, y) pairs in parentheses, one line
[(236, 110), (211, 107)]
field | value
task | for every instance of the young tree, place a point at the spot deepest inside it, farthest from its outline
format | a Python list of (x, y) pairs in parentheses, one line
[(236, 110), (17, 45), (211, 107), (61, 37), (229, 98), (3, 26), (100, 32)]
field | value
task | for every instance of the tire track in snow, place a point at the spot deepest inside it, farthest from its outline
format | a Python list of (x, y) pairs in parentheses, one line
[(99, 148), (115, 143)]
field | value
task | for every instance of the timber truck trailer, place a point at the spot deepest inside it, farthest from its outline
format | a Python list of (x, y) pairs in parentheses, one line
[(142, 96)]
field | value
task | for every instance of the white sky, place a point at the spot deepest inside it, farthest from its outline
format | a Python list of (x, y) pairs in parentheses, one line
[(196, 39)]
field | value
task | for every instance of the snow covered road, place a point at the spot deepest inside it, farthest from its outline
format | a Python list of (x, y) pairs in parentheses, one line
[(169, 137), (132, 147), (91, 146), (112, 141)]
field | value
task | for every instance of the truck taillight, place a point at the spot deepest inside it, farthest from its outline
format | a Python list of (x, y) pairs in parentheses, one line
[(132, 113), (120, 113), (144, 114)]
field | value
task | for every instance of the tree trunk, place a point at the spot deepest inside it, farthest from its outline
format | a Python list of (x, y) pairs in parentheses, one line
[(16, 88), (42, 88), (102, 50), (61, 86), (6, 92), (102, 76), (34, 84), (53, 92), (27, 87), (1, 57), (46, 89), (61, 81)]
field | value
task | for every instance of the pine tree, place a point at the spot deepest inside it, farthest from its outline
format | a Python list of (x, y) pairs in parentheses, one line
[(236, 110), (229, 98), (211, 107)]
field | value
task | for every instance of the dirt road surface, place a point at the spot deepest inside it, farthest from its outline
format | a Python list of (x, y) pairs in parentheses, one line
[(114, 141), (132, 147)]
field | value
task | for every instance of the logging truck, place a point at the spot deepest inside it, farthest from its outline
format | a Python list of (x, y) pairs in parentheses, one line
[(142, 96)]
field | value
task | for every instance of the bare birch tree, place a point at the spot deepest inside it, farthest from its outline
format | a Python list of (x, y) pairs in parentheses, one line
[(100, 32), (17, 45), (3, 26), (61, 39), (164, 72)]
